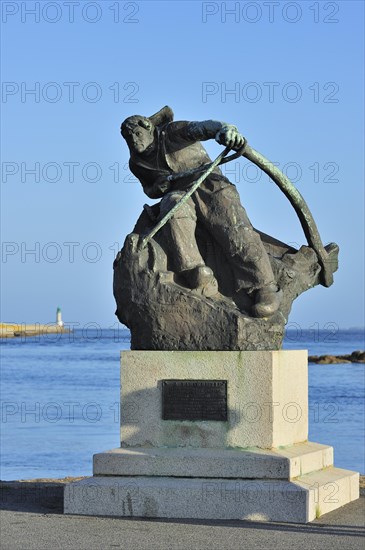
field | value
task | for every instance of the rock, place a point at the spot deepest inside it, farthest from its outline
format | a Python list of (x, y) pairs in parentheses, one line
[(358, 356), (331, 359), (164, 314)]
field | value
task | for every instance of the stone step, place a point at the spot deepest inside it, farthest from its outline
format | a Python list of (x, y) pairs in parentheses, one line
[(329, 489), (298, 501), (284, 463)]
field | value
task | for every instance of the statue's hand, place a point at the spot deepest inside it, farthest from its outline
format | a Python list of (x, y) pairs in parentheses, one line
[(229, 136), (162, 185)]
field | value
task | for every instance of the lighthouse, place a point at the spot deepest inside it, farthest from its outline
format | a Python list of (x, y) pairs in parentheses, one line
[(59, 321)]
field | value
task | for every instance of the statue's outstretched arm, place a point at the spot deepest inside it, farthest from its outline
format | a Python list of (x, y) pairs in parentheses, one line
[(225, 134)]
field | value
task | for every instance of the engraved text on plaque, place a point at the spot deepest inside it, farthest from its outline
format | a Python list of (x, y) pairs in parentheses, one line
[(194, 400)]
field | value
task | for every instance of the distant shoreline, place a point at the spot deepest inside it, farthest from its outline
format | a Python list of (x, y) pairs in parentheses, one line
[(14, 330)]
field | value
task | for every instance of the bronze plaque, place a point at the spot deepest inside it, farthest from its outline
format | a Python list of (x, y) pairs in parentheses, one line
[(194, 400)]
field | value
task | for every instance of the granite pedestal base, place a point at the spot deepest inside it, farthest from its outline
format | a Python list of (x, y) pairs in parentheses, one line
[(256, 464)]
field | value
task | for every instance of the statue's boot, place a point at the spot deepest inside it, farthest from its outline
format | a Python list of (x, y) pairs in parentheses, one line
[(267, 301), (201, 278)]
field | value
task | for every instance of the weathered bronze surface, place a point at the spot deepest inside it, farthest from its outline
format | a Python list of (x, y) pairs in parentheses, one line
[(205, 278), (194, 400)]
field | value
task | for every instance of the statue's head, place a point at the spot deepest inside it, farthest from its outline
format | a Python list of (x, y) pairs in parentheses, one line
[(138, 131)]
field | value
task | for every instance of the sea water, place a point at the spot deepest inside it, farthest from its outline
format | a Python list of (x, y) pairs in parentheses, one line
[(60, 399)]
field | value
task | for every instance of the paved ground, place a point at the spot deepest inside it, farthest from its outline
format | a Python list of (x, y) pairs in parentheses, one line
[(32, 518)]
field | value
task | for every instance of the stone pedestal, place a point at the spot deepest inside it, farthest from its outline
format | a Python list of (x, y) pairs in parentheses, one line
[(256, 463)]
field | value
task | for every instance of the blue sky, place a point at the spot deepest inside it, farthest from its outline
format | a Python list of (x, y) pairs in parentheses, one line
[(295, 73)]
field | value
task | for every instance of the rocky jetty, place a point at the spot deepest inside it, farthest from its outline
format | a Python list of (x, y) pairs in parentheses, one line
[(354, 357), (10, 330)]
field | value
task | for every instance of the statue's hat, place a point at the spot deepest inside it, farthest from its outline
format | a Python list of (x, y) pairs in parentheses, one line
[(163, 116)]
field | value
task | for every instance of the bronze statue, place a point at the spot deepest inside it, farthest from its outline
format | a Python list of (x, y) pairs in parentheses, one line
[(160, 147), (207, 253)]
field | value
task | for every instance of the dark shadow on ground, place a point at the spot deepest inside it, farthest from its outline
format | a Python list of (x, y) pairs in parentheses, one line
[(36, 496)]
